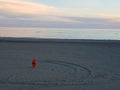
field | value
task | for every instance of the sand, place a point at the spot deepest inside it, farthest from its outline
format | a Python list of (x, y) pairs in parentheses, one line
[(61, 65)]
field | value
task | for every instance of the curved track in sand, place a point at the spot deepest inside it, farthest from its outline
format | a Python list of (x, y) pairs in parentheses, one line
[(68, 64), (73, 74)]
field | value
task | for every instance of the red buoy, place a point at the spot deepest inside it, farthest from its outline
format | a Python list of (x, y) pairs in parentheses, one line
[(34, 62)]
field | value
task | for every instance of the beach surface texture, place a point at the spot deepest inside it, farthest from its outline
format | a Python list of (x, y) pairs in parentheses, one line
[(60, 65)]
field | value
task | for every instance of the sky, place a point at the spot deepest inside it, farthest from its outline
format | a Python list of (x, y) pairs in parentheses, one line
[(60, 13)]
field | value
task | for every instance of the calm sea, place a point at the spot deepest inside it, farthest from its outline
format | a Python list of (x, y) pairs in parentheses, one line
[(61, 33)]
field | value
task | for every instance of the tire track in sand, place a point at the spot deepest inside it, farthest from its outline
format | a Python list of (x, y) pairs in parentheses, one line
[(67, 64), (73, 66)]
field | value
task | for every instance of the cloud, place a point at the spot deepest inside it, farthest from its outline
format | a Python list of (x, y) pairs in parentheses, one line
[(24, 10), (84, 23), (111, 18), (21, 13), (2, 17), (24, 7)]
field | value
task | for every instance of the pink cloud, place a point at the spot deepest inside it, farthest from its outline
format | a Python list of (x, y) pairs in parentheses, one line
[(37, 11), (24, 7)]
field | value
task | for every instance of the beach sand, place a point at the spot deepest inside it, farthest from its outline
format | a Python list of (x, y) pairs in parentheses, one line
[(60, 65)]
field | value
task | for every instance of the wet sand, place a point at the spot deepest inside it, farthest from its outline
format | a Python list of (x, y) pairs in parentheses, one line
[(61, 65)]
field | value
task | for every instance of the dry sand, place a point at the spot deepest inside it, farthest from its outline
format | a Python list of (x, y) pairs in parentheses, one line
[(60, 65)]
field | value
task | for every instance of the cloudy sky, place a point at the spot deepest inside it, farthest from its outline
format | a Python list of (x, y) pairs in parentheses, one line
[(60, 13)]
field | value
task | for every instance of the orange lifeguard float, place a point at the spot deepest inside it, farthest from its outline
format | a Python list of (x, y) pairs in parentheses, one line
[(34, 62)]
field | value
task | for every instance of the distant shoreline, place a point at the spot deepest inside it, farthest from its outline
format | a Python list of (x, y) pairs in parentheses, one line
[(47, 40)]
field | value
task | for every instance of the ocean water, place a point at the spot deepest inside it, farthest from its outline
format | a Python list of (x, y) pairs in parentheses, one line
[(61, 33)]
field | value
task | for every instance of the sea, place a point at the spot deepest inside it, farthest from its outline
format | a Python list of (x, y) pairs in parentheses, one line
[(61, 33)]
